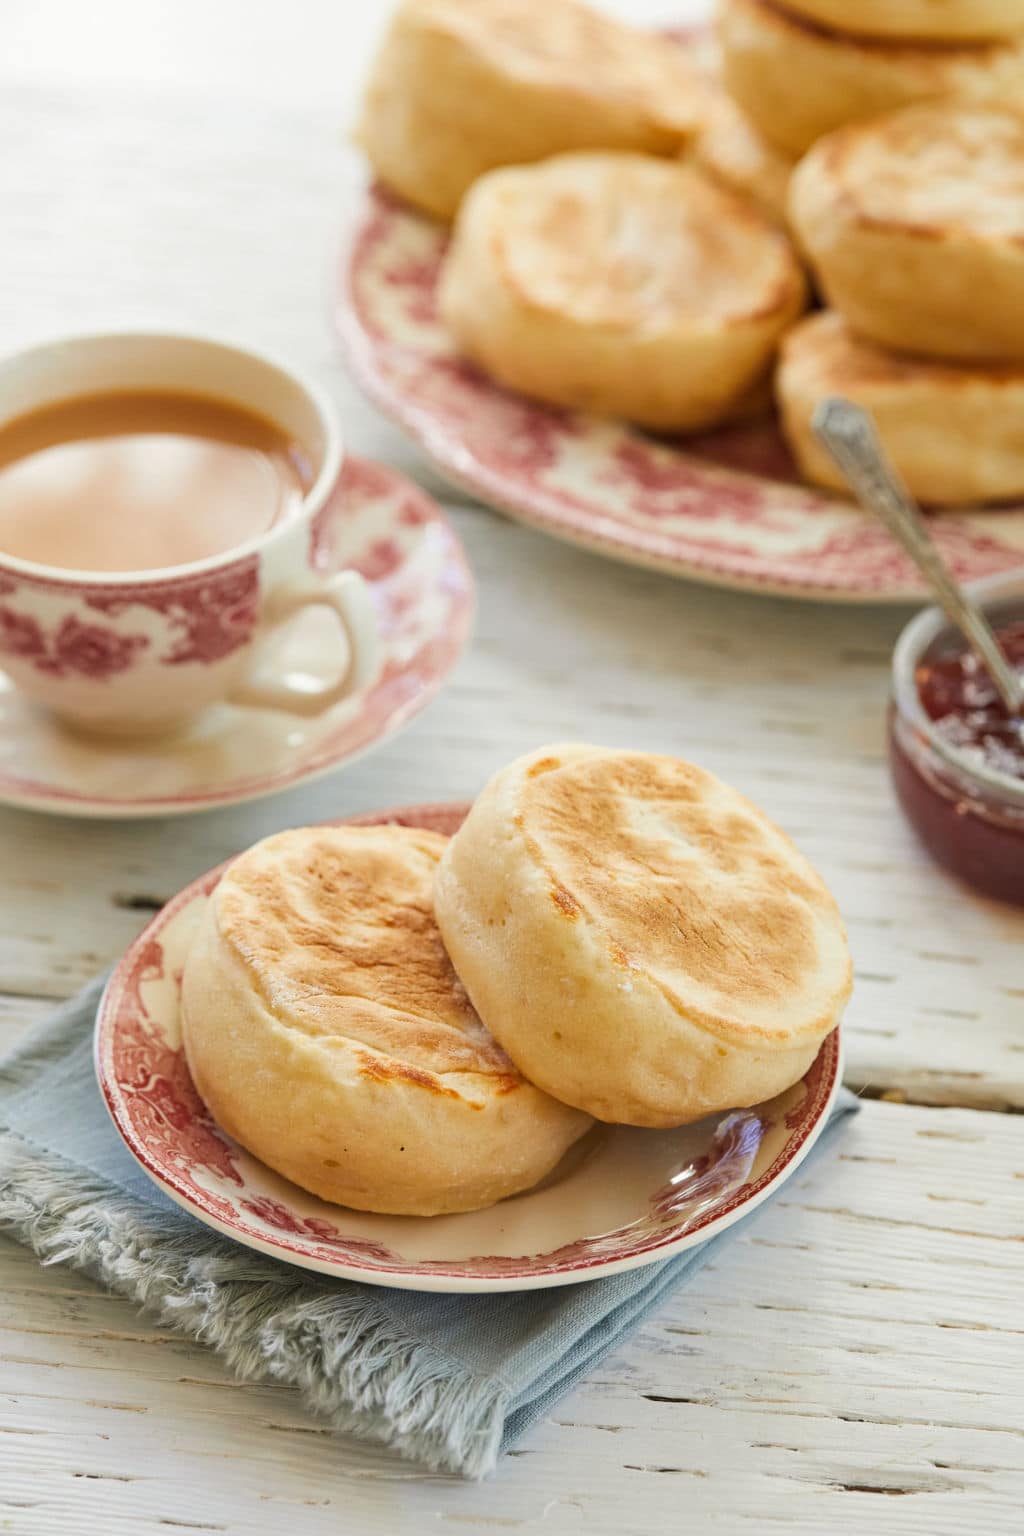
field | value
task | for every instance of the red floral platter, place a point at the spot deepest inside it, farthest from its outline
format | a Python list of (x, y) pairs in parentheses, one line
[(725, 508), (422, 590), (623, 1197)]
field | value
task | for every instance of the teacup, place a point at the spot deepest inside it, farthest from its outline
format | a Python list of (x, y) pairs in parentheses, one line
[(142, 651)]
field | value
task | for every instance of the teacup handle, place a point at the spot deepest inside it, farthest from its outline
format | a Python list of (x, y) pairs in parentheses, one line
[(348, 597)]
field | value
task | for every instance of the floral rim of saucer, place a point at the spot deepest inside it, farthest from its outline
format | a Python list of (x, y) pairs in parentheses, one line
[(724, 508), (625, 1197), (422, 588)]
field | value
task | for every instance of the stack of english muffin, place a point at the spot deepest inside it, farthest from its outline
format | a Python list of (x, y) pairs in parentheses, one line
[(914, 222), (889, 137), (628, 214), (404, 1023), (908, 205)]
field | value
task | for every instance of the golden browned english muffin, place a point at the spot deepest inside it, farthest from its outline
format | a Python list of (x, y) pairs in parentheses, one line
[(915, 225), (328, 1033), (461, 86), (735, 153), (934, 21), (952, 430), (645, 943), (619, 284), (797, 81)]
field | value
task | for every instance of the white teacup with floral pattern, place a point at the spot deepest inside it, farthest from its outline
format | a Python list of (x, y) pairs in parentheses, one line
[(141, 651)]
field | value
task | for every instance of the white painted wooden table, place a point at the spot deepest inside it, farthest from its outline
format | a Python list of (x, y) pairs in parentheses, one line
[(855, 1362)]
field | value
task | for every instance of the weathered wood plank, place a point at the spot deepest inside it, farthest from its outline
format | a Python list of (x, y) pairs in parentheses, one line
[(862, 1338)]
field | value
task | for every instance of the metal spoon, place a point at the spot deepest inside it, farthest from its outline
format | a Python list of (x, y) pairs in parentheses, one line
[(850, 436)]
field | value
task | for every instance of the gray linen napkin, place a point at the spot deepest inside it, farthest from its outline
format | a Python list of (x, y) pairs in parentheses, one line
[(448, 1381)]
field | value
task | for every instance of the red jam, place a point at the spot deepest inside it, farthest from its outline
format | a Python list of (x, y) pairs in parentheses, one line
[(958, 694), (972, 827)]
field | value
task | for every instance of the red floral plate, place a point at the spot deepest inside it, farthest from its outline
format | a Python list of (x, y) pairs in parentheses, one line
[(622, 1197), (724, 508), (381, 525)]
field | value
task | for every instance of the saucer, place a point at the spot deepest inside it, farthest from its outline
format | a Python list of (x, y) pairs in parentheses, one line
[(725, 507), (423, 594), (621, 1198)]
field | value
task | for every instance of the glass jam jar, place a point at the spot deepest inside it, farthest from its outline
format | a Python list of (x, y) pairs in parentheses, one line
[(954, 757)]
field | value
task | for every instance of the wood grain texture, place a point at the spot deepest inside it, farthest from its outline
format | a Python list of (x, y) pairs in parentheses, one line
[(854, 1362)]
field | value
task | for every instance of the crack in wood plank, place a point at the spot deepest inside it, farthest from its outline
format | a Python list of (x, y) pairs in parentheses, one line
[(685, 1471)]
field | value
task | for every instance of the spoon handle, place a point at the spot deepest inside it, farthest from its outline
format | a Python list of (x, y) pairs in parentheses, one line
[(849, 435)]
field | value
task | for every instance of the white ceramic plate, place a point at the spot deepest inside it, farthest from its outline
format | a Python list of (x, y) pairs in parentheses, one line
[(383, 526), (724, 508), (621, 1198)]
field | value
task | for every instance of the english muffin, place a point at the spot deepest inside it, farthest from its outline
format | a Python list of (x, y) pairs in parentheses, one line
[(619, 284), (797, 81), (644, 942), (932, 21), (953, 431), (732, 151), (462, 86), (327, 1032), (915, 226)]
